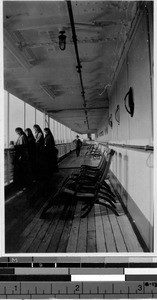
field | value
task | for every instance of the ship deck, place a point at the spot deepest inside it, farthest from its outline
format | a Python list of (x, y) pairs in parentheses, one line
[(61, 229)]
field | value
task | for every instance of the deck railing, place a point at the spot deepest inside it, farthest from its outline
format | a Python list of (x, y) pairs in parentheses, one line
[(146, 148), (63, 149), (8, 166)]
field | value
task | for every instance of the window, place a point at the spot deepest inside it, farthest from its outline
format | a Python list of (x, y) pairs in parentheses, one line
[(6, 124), (19, 113), (40, 119), (30, 116), (16, 115)]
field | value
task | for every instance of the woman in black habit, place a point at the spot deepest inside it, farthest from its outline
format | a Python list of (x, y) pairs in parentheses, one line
[(50, 152), (40, 160), (31, 149), (22, 170)]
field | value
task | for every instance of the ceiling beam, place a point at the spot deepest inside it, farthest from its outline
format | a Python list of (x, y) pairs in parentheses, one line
[(74, 109), (34, 23)]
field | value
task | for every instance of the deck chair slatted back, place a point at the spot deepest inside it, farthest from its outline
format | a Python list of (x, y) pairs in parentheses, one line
[(107, 165)]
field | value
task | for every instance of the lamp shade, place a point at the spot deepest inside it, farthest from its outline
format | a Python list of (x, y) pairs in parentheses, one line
[(62, 40)]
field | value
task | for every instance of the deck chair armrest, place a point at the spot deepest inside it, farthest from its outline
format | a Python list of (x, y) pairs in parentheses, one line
[(89, 174), (89, 167)]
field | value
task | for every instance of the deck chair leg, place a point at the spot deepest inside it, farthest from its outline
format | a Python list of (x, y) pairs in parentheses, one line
[(85, 206), (88, 210), (108, 200), (107, 195), (108, 188), (108, 206), (106, 185)]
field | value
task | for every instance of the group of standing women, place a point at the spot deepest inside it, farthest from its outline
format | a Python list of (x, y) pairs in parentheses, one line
[(35, 155)]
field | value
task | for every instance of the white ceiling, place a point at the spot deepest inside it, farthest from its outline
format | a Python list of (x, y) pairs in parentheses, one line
[(38, 72)]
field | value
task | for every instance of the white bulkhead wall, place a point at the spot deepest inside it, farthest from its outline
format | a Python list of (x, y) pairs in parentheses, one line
[(133, 169)]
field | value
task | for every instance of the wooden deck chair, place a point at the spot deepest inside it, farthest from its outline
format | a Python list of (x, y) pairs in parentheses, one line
[(90, 171), (93, 197), (88, 180), (89, 149), (82, 184), (85, 167), (87, 175)]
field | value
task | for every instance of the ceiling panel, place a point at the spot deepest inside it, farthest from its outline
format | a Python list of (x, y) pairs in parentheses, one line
[(38, 72)]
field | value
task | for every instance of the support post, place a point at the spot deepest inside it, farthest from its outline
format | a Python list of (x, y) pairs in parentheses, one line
[(8, 119)]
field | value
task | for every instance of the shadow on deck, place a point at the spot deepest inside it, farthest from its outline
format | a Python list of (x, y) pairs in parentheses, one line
[(61, 229)]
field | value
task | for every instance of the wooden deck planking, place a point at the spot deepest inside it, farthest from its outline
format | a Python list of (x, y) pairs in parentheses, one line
[(40, 236), (34, 221), (55, 213), (62, 229), (62, 246), (100, 237), (110, 241), (120, 243), (82, 236), (14, 236), (32, 233), (32, 229), (55, 238), (73, 237), (128, 233), (130, 238), (75, 162), (28, 207), (20, 211), (91, 234), (91, 241)]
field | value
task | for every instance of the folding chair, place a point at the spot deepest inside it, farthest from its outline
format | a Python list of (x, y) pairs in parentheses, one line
[(93, 195), (89, 176)]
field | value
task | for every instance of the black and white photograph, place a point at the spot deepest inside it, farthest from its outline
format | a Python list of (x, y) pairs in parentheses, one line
[(78, 127)]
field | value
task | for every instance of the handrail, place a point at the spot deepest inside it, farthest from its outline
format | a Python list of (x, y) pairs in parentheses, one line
[(12, 149), (9, 149), (146, 148), (63, 150), (64, 143)]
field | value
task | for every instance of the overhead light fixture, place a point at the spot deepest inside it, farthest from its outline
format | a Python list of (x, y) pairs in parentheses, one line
[(62, 40)]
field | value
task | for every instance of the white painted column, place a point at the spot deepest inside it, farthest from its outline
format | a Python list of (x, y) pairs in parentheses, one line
[(58, 133), (55, 130), (35, 115), (66, 134), (43, 120), (24, 116), (8, 120), (63, 134)]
